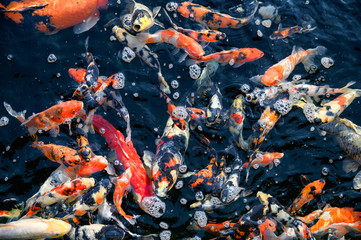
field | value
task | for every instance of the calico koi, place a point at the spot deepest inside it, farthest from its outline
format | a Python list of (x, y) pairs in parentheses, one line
[(50, 16), (135, 175), (141, 17), (138, 46), (208, 17), (307, 194), (287, 32), (260, 159), (314, 91), (65, 192), (281, 70), (88, 203), (235, 58), (236, 120), (84, 149), (50, 118)]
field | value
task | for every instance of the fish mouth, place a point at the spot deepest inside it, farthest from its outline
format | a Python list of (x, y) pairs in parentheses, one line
[(137, 27)]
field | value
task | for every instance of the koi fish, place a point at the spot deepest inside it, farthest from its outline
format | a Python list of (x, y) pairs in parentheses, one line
[(141, 17), (341, 229), (203, 35), (214, 107), (348, 135), (260, 159), (60, 154), (95, 164), (138, 46), (52, 16), (136, 177), (218, 227), (208, 17), (333, 109), (235, 58), (96, 231), (50, 118), (273, 208), (236, 121), (177, 39), (65, 192), (88, 203), (34, 228), (13, 213), (333, 215), (84, 149), (287, 32), (307, 194), (281, 70)]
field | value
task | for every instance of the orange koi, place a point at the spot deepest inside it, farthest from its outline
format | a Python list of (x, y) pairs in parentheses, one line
[(235, 58), (50, 118), (281, 70), (60, 154), (218, 227), (341, 229), (209, 17), (286, 32), (95, 164), (313, 216), (55, 15), (307, 194), (84, 149), (263, 159), (177, 39)]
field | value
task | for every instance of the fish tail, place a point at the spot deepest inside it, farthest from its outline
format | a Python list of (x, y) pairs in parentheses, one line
[(309, 29), (2, 8), (19, 115), (308, 63), (345, 88)]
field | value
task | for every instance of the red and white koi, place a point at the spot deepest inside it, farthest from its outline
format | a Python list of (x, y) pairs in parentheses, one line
[(260, 159)]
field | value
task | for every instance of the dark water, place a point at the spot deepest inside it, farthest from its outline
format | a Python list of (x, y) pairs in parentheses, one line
[(29, 82)]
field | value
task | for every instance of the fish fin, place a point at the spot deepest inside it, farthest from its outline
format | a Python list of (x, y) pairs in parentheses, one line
[(87, 23), (308, 63), (341, 229), (112, 22), (175, 51), (148, 158), (346, 88), (270, 166), (269, 235), (185, 175), (54, 132), (28, 8), (156, 10), (308, 29), (285, 40), (163, 85), (157, 141), (237, 65), (279, 26), (305, 180), (158, 23), (18, 115), (350, 165), (257, 79), (182, 57), (191, 62)]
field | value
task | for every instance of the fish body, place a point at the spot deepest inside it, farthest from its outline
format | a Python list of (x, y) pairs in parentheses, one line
[(65, 192), (34, 228), (314, 91), (260, 159), (281, 70), (287, 32), (141, 17), (50, 118), (211, 18), (307, 194), (96, 231), (136, 176), (50, 16), (236, 121), (60, 154), (235, 57)]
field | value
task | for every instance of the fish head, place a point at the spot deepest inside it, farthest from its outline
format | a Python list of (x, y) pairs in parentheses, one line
[(271, 77), (96, 164), (77, 74), (56, 228), (142, 20), (153, 206), (71, 109)]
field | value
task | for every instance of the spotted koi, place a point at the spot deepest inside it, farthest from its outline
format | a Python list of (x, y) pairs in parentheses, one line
[(287, 32), (261, 159), (236, 120)]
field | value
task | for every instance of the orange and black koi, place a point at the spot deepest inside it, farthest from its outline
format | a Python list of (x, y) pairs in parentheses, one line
[(209, 17), (273, 208), (50, 118), (53, 15), (84, 149), (89, 202), (95, 164), (307, 194), (65, 192), (286, 32)]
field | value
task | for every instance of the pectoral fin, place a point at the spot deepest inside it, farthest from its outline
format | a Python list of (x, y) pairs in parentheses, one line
[(87, 23)]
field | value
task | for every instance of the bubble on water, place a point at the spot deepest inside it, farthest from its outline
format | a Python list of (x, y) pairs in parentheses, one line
[(7, 148), (128, 54), (6, 178), (135, 95), (327, 62), (324, 171), (309, 111), (127, 18), (195, 71), (216, 201), (175, 95), (201, 218), (268, 12), (183, 201), (165, 235), (357, 181), (267, 23), (170, 66), (183, 168), (340, 195), (276, 162), (259, 33), (199, 196), (245, 200), (255, 166), (112, 38), (228, 170), (10, 57), (153, 206), (58, 75), (283, 106), (119, 81), (312, 129), (163, 225), (179, 185), (247, 207), (174, 84), (296, 77), (171, 6), (4, 121), (330, 160), (52, 58), (180, 113), (101, 130), (245, 88), (200, 128), (323, 133)]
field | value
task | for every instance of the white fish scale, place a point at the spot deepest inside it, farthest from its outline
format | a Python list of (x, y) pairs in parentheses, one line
[(21, 230)]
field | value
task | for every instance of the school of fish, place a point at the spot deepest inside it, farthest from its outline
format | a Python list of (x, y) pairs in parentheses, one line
[(88, 195)]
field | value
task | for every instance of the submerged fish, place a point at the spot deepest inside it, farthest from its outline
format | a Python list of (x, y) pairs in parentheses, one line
[(141, 17), (287, 32)]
